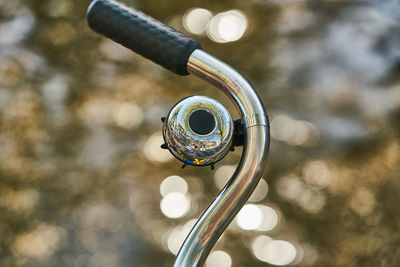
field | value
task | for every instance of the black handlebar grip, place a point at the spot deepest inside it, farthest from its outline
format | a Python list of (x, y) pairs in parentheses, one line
[(143, 34)]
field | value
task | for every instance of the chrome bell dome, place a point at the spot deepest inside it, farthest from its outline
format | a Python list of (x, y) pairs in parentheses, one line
[(198, 130)]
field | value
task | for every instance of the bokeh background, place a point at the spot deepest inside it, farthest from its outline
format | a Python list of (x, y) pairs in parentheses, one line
[(83, 181)]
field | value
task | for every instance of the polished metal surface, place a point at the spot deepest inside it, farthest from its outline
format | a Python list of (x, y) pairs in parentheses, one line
[(232, 83), (191, 147), (220, 213)]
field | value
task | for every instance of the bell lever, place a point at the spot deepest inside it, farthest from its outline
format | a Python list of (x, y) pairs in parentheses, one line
[(183, 55)]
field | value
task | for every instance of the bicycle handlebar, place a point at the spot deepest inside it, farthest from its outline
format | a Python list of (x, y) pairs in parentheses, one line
[(142, 34), (182, 55)]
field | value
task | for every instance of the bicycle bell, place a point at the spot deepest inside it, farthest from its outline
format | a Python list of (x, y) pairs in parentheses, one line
[(198, 131)]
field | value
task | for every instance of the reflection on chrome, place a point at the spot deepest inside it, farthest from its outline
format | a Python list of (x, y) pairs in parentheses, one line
[(192, 147)]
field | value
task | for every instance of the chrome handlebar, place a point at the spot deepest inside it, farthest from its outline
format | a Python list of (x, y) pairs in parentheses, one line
[(220, 213)]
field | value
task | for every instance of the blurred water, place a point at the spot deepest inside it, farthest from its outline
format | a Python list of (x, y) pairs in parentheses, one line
[(81, 167)]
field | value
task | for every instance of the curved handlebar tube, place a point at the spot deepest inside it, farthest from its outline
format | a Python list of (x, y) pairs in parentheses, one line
[(181, 54), (220, 213)]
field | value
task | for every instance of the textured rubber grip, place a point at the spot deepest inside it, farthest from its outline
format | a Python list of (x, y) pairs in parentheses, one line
[(143, 34)]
